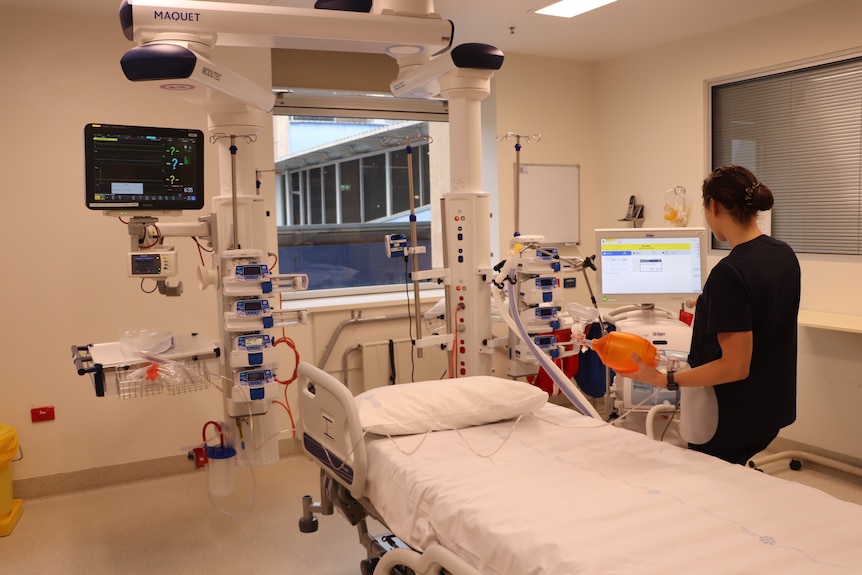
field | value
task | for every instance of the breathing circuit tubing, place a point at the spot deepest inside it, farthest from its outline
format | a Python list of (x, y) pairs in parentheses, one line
[(513, 320)]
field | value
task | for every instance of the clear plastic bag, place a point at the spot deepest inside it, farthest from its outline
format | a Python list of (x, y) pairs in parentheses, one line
[(136, 341), (677, 207)]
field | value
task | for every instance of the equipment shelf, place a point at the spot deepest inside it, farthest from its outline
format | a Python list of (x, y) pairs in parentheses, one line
[(192, 353)]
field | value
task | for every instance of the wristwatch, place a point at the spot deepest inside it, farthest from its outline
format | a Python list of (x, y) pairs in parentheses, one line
[(671, 384)]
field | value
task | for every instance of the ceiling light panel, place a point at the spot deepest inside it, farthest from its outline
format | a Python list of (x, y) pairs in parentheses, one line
[(571, 8)]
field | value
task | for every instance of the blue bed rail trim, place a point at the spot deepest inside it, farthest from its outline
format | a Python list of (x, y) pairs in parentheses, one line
[(328, 459)]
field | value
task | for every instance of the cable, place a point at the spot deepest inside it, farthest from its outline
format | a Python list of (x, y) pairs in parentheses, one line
[(289, 411), (292, 430), (145, 291), (587, 423), (292, 345), (286, 383), (410, 452), (669, 421), (201, 249), (643, 402)]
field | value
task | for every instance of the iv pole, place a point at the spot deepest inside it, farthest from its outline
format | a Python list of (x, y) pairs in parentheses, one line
[(414, 250), (527, 139)]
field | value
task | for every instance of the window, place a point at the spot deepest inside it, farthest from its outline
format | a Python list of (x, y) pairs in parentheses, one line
[(343, 185), (800, 132)]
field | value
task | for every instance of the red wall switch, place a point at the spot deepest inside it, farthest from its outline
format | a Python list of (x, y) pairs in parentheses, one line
[(42, 414), (200, 455)]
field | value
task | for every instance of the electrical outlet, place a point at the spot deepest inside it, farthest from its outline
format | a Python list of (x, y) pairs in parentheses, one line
[(42, 414)]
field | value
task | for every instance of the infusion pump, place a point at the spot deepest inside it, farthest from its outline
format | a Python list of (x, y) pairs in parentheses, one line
[(155, 263)]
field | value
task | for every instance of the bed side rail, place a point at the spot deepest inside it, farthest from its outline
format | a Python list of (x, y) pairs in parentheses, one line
[(331, 432)]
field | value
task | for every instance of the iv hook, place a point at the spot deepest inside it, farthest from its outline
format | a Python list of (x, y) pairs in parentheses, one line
[(518, 138)]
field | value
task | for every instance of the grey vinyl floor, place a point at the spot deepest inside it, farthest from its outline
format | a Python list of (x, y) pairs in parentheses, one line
[(170, 526)]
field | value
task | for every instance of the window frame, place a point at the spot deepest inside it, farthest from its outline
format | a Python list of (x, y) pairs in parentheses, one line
[(374, 106)]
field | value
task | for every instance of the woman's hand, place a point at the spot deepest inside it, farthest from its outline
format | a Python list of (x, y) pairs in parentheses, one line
[(646, 373)]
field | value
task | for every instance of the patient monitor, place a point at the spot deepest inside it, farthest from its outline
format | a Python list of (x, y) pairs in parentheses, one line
[(650, 265), (133, 169)]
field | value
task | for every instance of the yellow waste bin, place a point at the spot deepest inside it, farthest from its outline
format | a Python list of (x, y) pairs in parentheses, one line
[(10, 509)]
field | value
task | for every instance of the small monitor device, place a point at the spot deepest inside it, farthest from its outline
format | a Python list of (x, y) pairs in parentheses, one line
[(153, 264), (650, 265), (140, 169)]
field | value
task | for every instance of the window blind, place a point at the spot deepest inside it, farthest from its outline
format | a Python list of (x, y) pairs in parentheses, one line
[(800, 132)]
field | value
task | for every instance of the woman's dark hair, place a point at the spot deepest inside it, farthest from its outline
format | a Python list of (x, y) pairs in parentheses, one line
[(738, 191)]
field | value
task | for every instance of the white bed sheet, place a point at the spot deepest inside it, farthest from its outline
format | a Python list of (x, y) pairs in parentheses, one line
[(567, 494)]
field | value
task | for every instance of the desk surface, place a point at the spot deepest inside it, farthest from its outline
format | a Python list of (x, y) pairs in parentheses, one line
[(831, 321)]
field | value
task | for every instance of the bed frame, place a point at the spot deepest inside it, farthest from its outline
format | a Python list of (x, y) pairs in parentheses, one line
[(633, 495), (332, 436)]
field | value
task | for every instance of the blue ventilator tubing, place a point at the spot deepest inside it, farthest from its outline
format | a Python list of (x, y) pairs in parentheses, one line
[(563, 383)]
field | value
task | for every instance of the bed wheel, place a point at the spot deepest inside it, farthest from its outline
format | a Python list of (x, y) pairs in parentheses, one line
[(795, 464), (308, 525), (366, 567)]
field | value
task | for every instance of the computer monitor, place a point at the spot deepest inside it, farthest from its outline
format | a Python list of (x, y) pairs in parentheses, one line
[(650, 265), (143, 169)]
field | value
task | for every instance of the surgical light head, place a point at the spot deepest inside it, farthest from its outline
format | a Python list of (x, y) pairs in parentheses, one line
[(181, 70), (423, 81)]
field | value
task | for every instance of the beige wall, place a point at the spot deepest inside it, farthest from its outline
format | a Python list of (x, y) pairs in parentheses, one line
[(70, 286), (555, 99), (634, 125)]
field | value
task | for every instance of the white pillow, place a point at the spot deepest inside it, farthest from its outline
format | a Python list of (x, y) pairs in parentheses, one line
[(423, 406)]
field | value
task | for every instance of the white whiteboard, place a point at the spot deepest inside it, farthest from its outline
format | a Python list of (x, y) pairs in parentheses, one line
[(548, 202)]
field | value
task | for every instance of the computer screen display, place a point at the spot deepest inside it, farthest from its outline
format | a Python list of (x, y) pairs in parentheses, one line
[(135, 168), (650, 265)]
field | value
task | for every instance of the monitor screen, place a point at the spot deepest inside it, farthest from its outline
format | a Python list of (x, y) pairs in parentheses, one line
[(134, 168), (650, 265)]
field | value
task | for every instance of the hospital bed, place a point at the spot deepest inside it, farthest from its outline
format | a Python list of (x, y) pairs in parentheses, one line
[(547, 491)]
